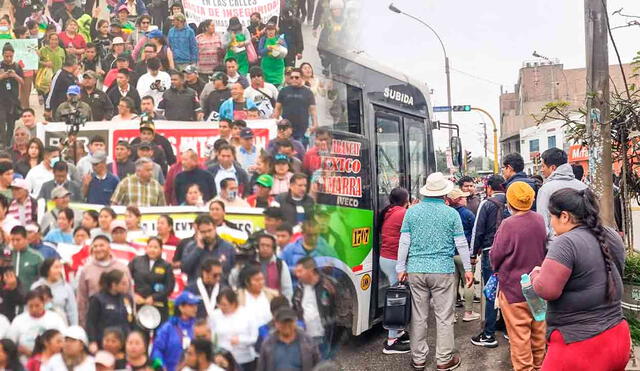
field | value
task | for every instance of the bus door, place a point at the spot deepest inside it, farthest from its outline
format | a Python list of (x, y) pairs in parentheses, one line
[(401, 161)]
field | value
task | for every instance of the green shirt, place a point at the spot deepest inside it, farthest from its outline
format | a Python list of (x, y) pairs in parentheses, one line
[(56, 56), (433, 226), (27, 264)]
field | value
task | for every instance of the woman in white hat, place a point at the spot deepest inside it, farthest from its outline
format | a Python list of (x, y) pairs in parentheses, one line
[(431, 232), (75, 355)]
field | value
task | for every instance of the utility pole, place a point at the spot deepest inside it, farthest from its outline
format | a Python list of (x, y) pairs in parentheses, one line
[(598, 127), (484, 125)]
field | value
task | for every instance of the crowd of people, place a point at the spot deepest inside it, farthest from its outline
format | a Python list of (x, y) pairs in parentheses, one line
[(250, 301), (549, 229)]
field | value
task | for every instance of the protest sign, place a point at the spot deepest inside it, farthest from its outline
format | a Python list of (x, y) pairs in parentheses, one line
[(220, 11)]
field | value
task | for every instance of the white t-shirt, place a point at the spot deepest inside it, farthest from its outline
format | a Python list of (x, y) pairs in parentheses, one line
[(56, 363), (240, 324), (36, 177), (311, 313), (24, 328), (264, 103), (144, 86), (8, 223), (4, 326), (260, 308)]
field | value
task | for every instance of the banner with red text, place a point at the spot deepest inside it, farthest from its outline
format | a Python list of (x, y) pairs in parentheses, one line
[(220, 11)]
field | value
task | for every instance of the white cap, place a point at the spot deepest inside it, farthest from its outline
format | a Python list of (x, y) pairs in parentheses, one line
[(76, 332)]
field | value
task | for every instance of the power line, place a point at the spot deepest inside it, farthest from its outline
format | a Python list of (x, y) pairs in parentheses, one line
[(476, 77)]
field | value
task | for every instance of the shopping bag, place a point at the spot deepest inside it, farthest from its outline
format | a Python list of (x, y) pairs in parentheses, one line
[(43, 80), (252, 56), (491, 288)]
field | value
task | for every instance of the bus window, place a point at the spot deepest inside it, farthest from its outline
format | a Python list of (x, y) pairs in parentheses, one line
[(389, 155), (340, 106), (354, 109), (417, 150)]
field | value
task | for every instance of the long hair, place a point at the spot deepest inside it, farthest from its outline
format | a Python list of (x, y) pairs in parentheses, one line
[(43, 339), (397, 197), (583, 208)]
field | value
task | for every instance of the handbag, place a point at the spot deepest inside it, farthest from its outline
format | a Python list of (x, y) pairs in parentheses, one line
[(252, 56), (491, 288), (43, 80)]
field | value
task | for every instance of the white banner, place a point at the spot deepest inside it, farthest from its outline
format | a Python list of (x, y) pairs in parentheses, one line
[(220, 11)]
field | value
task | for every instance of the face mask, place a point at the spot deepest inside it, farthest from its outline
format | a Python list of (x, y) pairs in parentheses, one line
[(48, 306), (4, 29), (231, 195), (74, 99)]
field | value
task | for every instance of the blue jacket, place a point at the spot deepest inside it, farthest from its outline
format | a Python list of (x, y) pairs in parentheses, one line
[(167, 345), (183, 44), (193, 256), (468, 220), (226, 108), (293, 252), (522, 177), (140, 7)]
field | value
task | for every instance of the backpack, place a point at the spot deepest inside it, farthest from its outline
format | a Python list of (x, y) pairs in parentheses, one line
[(502, 211)]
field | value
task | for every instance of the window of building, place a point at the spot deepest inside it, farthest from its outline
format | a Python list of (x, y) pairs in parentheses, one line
[(534, 145), (551, 142)]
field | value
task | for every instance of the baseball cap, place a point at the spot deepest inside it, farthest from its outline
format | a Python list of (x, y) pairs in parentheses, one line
[(59, 192), (122, 58), (98, 157), (117, 40), (115, 24), (145, 145), (20, 183), (117, 224), (265, 180), (148, 125), (77, 333), (155, 34), (89, 74), (281, 158), (187, 297), (73, 90), (104, 358), (32, 227), (191, 69), (123, 7), (218, 76), (286, 314), (284, 123), (457, 193), (246, 133)]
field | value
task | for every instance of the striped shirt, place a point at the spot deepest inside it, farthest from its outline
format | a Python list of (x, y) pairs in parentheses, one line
[(131, 191), (22, 212)]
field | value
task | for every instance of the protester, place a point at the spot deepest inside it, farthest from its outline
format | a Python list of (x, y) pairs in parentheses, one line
[(209, 48), (139, 189), (236, 107), (164, 229), (193, 174), (297, 104), (430, 232), (98, 187), (136, 347), (228, 168), (12, 79), (64, 232), (208, 285), (174, 336), (47, 345), (213, 95), (558, 175), (275, 270), (153, 278), (254, 296), (61, 178), (296, 204), (513, 171), (23, 207), (199, 356), (74, 355), (33, 152), (105, 217), (43, 172), (581, 280), (64, 298), (179, 102), (26, 260), (467, 184), (229, 194), (234, 327)]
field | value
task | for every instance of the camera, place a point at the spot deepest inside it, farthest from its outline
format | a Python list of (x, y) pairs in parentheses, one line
[(74, 120), (157, 85)]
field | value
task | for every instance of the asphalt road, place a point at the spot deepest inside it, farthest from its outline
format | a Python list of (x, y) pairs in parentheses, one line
[(365, 351)]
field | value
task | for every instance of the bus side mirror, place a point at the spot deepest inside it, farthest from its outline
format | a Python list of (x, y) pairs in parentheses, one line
[(456, 150)]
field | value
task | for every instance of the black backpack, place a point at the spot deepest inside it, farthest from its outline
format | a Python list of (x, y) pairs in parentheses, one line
[(502, 211)]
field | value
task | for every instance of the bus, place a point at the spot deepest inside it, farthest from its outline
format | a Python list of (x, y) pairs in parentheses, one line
[(381, 138)]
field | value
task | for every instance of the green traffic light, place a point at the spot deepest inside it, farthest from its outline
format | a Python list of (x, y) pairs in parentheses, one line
[(467, 108)]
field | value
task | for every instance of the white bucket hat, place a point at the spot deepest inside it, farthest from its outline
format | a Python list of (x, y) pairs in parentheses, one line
[(437, 185)]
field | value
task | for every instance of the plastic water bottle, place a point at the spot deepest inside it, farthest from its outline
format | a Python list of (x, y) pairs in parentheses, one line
[(537, 305)]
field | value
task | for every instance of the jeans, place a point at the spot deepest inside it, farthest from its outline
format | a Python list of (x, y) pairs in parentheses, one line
[(388, 267), (467, 291), (432, 289), (490, 313)]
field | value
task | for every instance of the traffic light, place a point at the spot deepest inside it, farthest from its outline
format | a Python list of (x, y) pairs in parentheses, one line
[(465, 108), (467, 157)]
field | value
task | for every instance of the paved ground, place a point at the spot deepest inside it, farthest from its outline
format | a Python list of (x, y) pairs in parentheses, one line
[(365, 352)]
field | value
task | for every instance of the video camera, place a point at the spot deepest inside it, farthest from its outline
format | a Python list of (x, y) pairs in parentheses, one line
[(74, 120)]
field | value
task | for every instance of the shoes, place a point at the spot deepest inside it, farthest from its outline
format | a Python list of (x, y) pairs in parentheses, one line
[(484, 341), (404, 338), (419, 367), (451, 365), (459, 303), (396, 347), (476, 299), (468, 317), (505, 336), (476, 282)]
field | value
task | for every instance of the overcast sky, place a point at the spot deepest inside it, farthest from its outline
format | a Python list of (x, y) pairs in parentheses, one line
[(486, 39)]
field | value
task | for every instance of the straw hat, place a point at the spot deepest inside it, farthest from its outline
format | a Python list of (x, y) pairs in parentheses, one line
[(437, 185)]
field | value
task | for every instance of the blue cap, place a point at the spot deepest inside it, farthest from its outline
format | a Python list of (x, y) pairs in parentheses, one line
[(73, 89), (187, 297), (155, 33)]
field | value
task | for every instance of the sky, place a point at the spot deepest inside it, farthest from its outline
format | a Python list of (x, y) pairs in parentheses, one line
[(487, 43)]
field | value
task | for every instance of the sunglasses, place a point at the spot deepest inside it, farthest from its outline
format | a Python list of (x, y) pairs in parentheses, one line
[(282, 128), (295, 77)]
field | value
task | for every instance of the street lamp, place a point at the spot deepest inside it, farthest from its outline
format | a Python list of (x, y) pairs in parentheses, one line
[(394, 9)]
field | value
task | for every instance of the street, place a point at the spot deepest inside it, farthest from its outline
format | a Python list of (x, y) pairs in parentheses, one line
[(365, 351)]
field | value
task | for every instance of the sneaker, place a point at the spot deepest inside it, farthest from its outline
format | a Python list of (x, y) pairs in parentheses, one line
[(484, 341), (476, 299), (419, 367), (468, 317), (505, 336), (404, 338), (459, 303), (451, 365), (396, 348)]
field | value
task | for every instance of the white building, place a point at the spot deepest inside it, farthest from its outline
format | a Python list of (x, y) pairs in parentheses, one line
[(537, 139)]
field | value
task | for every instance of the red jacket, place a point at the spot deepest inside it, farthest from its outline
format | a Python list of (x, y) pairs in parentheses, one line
[(391, 232)]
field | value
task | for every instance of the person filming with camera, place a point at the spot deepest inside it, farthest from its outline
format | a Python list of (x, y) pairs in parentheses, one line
[(73, 110)]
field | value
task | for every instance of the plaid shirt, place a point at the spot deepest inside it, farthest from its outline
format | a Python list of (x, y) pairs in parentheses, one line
[(131, 191)]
